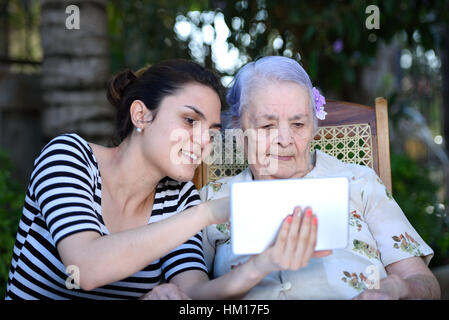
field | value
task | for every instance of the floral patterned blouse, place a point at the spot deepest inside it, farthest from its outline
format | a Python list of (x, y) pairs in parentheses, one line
[(379, 234)]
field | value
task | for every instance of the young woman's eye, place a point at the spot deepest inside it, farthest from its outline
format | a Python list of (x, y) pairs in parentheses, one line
[(189, 121)]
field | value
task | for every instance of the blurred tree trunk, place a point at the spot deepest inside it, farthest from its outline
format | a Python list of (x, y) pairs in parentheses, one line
[(381, 78), (445, 76), (75, 70), (4, 27), (445, 86)]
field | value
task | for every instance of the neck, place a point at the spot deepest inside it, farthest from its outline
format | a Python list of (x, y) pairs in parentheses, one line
[(127, 176)]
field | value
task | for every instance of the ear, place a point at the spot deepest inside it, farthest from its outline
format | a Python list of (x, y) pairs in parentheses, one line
[(139, 114)]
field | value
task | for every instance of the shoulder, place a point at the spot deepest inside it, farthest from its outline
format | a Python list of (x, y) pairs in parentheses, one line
[(69, 146), (67, 155), (328, 165)]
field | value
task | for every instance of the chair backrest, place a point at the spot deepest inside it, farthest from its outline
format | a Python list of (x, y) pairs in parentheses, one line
[(351, 132)]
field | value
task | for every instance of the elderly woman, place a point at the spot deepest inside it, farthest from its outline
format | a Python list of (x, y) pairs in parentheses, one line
[(275, 93)]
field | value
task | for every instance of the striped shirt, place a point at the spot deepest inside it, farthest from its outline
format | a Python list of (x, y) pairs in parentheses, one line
[(64, 198)]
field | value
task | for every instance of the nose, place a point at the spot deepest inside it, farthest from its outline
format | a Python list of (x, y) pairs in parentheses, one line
[(205, 138), (284, 137), (201, 135)]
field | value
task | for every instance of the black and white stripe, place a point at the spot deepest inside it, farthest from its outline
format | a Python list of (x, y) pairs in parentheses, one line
[(63, 198)]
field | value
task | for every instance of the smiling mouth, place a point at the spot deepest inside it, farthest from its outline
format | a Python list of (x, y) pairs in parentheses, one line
[(191, 156)]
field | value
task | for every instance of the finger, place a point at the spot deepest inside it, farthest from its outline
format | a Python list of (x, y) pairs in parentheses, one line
[(292, 237), (152, 296), (303, 241), (281, 239), (322, 253), (146, 296), (174, 294), (158, 294), (312, 240), (184, 296), (170, 291), (181, 295)]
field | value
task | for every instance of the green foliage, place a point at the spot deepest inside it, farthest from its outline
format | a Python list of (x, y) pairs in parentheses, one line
[(329, 38), (141, 32), (416, 194), (11, 202)]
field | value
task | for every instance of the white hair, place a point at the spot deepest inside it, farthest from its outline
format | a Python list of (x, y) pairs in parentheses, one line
[(262, 71)]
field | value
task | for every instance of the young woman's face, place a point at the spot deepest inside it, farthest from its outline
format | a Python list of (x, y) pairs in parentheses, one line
[(281, 115), (179, 136)]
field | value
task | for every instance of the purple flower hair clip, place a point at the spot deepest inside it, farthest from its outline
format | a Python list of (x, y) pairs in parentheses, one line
[(320, 101)]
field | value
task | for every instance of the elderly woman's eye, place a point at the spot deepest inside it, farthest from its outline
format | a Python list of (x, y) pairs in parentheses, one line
[(267, 126), (214, 134), (298, 124)]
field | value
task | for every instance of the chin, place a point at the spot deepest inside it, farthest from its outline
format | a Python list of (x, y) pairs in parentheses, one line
[(284, 172), (183, 174), (278, 174), (283, 175)]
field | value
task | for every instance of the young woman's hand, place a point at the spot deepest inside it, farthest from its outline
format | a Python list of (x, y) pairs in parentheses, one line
[(166, 291), (294, 245), (218, 210)]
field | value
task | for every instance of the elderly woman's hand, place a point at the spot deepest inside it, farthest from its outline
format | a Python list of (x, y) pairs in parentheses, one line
[(166, 291), (390, 288), (294, 245)]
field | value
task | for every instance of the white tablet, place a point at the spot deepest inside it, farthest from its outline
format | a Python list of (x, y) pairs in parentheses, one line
[(259, 207)]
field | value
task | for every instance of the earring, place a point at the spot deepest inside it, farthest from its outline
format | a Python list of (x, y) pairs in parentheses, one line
[(139, 130)]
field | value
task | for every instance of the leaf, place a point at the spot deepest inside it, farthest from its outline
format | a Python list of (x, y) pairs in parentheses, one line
[(396, 238), (346, 273), (310, 32)]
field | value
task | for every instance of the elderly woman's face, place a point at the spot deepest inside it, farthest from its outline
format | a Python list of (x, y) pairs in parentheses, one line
[(283, 120)]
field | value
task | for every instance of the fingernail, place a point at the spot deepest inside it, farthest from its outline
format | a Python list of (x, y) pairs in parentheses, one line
[(289, 219), (309, 212), (315, 220)]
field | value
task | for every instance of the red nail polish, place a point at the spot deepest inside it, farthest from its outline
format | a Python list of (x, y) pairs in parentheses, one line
[(289, 219), (309, 212), (315, 220)]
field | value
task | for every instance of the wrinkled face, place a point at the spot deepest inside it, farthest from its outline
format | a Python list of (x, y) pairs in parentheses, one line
[(281, 121), (179, 136)]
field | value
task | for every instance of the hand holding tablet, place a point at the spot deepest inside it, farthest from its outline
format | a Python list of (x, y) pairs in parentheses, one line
[(294, 245), (258, 209)]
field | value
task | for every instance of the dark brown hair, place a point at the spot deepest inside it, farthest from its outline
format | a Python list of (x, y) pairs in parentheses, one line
[(151, 85)]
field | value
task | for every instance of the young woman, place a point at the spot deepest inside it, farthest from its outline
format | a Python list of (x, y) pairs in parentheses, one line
[(101, 213), (113, 223)]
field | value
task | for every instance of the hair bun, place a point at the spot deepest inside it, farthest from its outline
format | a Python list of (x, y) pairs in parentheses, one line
[(117, 86)]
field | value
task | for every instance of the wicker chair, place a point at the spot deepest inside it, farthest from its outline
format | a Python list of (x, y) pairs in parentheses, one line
[(351, 132)]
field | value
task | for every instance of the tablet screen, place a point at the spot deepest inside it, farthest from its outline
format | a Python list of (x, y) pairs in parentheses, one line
[(258, 209)]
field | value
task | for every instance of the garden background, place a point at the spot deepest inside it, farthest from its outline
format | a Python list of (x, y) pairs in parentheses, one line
[(53, 75)]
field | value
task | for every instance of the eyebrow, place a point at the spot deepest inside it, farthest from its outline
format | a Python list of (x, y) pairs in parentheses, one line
[(298, 117), (198, 112), (276, 117)]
